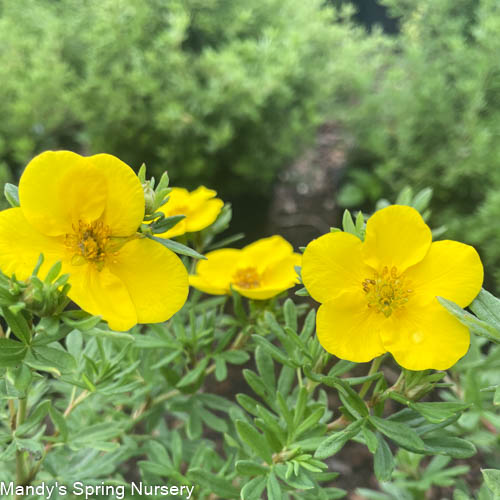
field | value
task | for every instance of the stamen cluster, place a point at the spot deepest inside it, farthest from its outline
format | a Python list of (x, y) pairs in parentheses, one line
[(247, 278), (89, 243), (387, 291)]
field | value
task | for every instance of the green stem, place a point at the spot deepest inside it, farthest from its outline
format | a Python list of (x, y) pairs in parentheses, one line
[(20, 455), (373, 369)]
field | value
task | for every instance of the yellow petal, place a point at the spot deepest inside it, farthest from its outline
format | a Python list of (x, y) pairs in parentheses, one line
[(201, 194), (396, 236), (332, 264), (348, 329), (204, 216), (282, 274), (264, 252), (260, 293), (422, 338), (207, 286), (155, 277), (59, 188), (451, 270), (178, 230), (21, 245), (124, 209), (103, 294), (214, 274)]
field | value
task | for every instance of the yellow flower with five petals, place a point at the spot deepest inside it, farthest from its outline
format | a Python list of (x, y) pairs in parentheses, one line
[(200, 207), (380, 295), (258, 271), (85, 212)]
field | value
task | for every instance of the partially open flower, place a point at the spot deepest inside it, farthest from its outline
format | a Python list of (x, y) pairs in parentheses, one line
[(380, 295), (85, 212), (258, 271), (200, 207)]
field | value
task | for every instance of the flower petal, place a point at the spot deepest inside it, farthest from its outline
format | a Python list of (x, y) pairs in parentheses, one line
[(204, 216), (422, 338), (59, 188), (125, 203), (155, 277), (21, 245), (451, 270), (214, 274), (264, 252), (260, 293), (396, 236), (282, 274), (103, 294), (348, 329), (332, 264)]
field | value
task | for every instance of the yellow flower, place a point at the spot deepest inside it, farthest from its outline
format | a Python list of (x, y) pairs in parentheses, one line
[(380, 295), (200, 207), (258, 271), (85, 212)]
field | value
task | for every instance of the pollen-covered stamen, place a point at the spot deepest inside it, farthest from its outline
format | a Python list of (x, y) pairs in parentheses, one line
[(387, 291), (246, 278), (89, 243)]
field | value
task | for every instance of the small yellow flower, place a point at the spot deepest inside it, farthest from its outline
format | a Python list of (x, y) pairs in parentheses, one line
[(200, 207), (85, 212), (380, 295), (258, 271)]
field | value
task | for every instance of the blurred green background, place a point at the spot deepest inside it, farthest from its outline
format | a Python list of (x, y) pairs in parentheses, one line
[(228, 93)]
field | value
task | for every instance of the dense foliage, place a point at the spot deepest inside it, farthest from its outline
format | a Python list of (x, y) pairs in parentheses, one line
[(432, 117), (220, 92)]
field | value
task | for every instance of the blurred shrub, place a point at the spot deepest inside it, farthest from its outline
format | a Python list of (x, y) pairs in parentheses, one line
[(432, 116), (221, 92)]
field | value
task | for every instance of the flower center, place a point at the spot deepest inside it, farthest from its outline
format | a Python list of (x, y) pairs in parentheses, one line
[(387, 291), (247, 278), (89, 243)]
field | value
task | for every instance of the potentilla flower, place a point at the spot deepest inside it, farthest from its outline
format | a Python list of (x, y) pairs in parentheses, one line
[(85, 212), (258, 271), (380, 295), (200, 207)]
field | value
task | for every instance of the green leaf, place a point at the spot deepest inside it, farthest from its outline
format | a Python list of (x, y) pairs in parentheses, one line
[(11, 352), (43, 357), (492, 480), (383, 460), (30, 445), (276, 353), (18, 325), (217, 485), (371, 439), (59, 422), (439, 412), (177, 247), (496, 397), (34, 419), (449, 445), (334, 443), (11, 193), (235, 357), (273, 487), (348, 223), (265, 366), (290, 313), (255, 440), (162, 225), (250, 468), (220, 369), (193, 376), (475, 325), (422, 199), (253, 489), (401, 434)]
